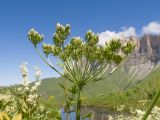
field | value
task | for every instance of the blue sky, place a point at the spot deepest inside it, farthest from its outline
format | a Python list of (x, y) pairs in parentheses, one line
[(18, 16)]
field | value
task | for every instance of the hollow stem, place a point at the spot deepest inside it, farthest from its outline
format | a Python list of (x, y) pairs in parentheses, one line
[(152, 104), (78, 110)]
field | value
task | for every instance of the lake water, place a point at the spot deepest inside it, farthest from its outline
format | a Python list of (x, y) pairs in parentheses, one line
[(98, 113)]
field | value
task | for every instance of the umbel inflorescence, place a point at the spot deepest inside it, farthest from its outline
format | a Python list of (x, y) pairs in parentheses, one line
[(82, 61), (77, 49)]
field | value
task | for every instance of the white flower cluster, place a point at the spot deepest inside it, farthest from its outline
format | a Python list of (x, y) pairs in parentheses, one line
[(32, 99), (24, 99), (5, 97), (120, 108), (136, 114), (30, 94), (38, 72), (142, 102), (24, 72), (7, 103), (23, 69), (36, 85)]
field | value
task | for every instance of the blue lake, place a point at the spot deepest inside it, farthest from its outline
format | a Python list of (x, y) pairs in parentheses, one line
[(97, 113)]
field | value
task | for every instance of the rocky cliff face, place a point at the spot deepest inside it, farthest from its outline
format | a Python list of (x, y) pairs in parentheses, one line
[(145, 58), (150, 45), (147, 50)]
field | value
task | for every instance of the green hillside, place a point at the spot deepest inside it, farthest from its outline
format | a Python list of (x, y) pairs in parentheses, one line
[(144, 90), (115, 82), (109, 92)]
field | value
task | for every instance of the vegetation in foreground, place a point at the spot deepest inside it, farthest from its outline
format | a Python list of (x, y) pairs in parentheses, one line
[(79, 76), (133, 101), (81, 62), (23, 102)]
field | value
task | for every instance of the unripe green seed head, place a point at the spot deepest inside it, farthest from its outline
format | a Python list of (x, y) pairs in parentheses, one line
[(55, 50), (128, 47), (34, 37), (115, 44), (62, 32), (91, 38), (47, 48), (76, 42), (114, 51), (117, 59)]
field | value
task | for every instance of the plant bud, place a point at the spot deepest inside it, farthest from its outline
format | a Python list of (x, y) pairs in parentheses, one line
[(115, 44), (34, 36), (128, 47), (46, 49), (67, 26), (58, 25)]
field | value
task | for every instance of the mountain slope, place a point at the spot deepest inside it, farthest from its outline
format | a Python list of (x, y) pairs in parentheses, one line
[(116, 82)]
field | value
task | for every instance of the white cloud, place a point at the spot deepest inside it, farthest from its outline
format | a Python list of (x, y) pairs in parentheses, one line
[(127, 32), (108, 35), (152, 28)]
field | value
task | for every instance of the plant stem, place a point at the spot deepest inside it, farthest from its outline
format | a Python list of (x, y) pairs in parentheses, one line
[(50, 64), (29, 115), (152, 104), (78, 110)]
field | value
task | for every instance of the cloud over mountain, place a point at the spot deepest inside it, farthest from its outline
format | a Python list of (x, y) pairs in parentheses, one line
[(152, 28), (108, 35)]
